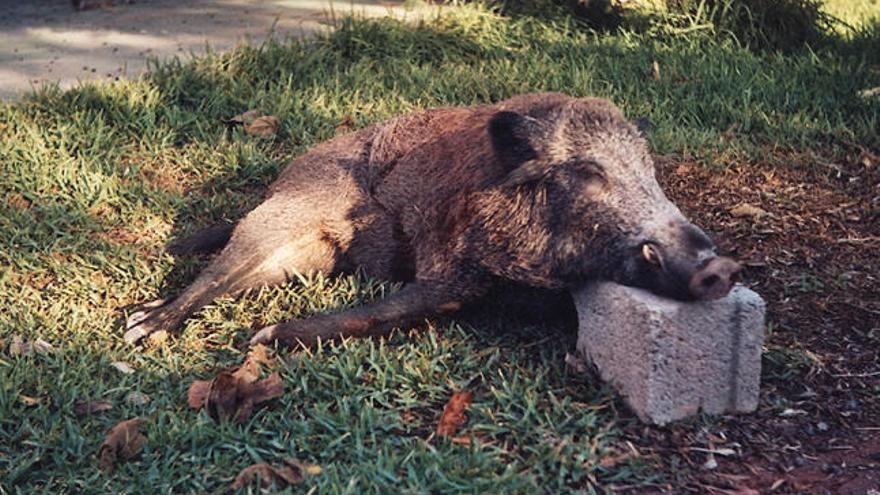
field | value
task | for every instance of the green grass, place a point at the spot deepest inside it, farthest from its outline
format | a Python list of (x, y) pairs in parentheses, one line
[(95, 180), (854, 12)]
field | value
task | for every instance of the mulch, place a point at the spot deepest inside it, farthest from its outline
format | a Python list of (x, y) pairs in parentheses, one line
[(807, 229)]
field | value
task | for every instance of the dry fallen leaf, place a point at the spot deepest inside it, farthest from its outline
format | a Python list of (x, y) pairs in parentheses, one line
[(43, 347), (265, 473), (198, 392), (29, 401), (257, 124), (137, 398), (260, 354), (293, 472), (264, 127), (122, 367), (245, 118), (461, 440), (747, 210), (123, 442), (16, 200), (614, 460), (870, 92), (85, 407), (233, 393), (453, 416), (19, 347), (223, 401)]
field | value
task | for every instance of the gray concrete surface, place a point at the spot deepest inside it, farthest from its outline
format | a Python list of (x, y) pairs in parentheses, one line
[(670, 359), (49, 41)]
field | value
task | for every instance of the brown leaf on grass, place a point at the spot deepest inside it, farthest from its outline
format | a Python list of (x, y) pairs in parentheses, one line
[(86, 407), (461, 440), (232, 394), (16, 200), (263, 127), (245, 118), (454, 416), (124, 442), (257, 124), (613, 460), (42, 347), (293, 472), (137, 398), (870, 92), (223, 400), (29, 401), (265, 473), (269, 388), (122, 367), (261, 355), (197, 394), (250, 370), (21, 347)]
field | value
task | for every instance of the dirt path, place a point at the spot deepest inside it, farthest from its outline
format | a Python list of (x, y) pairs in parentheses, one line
[(49, 41)]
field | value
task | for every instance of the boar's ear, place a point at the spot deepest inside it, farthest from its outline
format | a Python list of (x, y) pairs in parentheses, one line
[(512, 136), (643, 125)]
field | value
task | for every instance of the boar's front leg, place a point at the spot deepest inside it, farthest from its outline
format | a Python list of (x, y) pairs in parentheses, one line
[(410, 306)]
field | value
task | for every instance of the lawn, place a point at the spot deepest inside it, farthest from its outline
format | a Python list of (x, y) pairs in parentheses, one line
[(96, 180)]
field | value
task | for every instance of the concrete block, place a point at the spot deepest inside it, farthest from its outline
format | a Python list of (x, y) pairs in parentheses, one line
[(671, 359)]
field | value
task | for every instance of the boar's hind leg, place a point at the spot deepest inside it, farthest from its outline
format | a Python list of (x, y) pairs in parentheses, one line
[(267, 248), (410, 306), (206, 241)]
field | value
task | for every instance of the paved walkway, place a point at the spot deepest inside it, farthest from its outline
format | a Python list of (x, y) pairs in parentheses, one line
[(47, 40)]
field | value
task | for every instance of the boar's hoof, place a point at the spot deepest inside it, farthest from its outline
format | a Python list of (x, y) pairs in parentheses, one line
[(142, 311), (265, 335), (293, 333), (144, 322), (135, 334)]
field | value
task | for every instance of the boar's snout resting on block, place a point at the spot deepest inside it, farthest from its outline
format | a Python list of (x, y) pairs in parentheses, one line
[(542, 190)]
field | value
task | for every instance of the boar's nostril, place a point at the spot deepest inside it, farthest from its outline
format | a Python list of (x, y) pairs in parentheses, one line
[(710, 281), (715, 279)]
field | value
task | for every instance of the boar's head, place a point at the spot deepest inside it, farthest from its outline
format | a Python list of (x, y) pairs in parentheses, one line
[(581, 201)]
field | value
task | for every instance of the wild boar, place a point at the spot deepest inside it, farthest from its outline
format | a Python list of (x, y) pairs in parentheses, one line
[(542, 190)]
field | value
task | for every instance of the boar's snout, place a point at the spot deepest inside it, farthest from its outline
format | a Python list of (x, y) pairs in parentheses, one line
[(715, 279)]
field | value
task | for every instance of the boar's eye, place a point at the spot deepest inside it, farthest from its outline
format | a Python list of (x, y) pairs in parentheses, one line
[(594, 168), (588, 171)]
